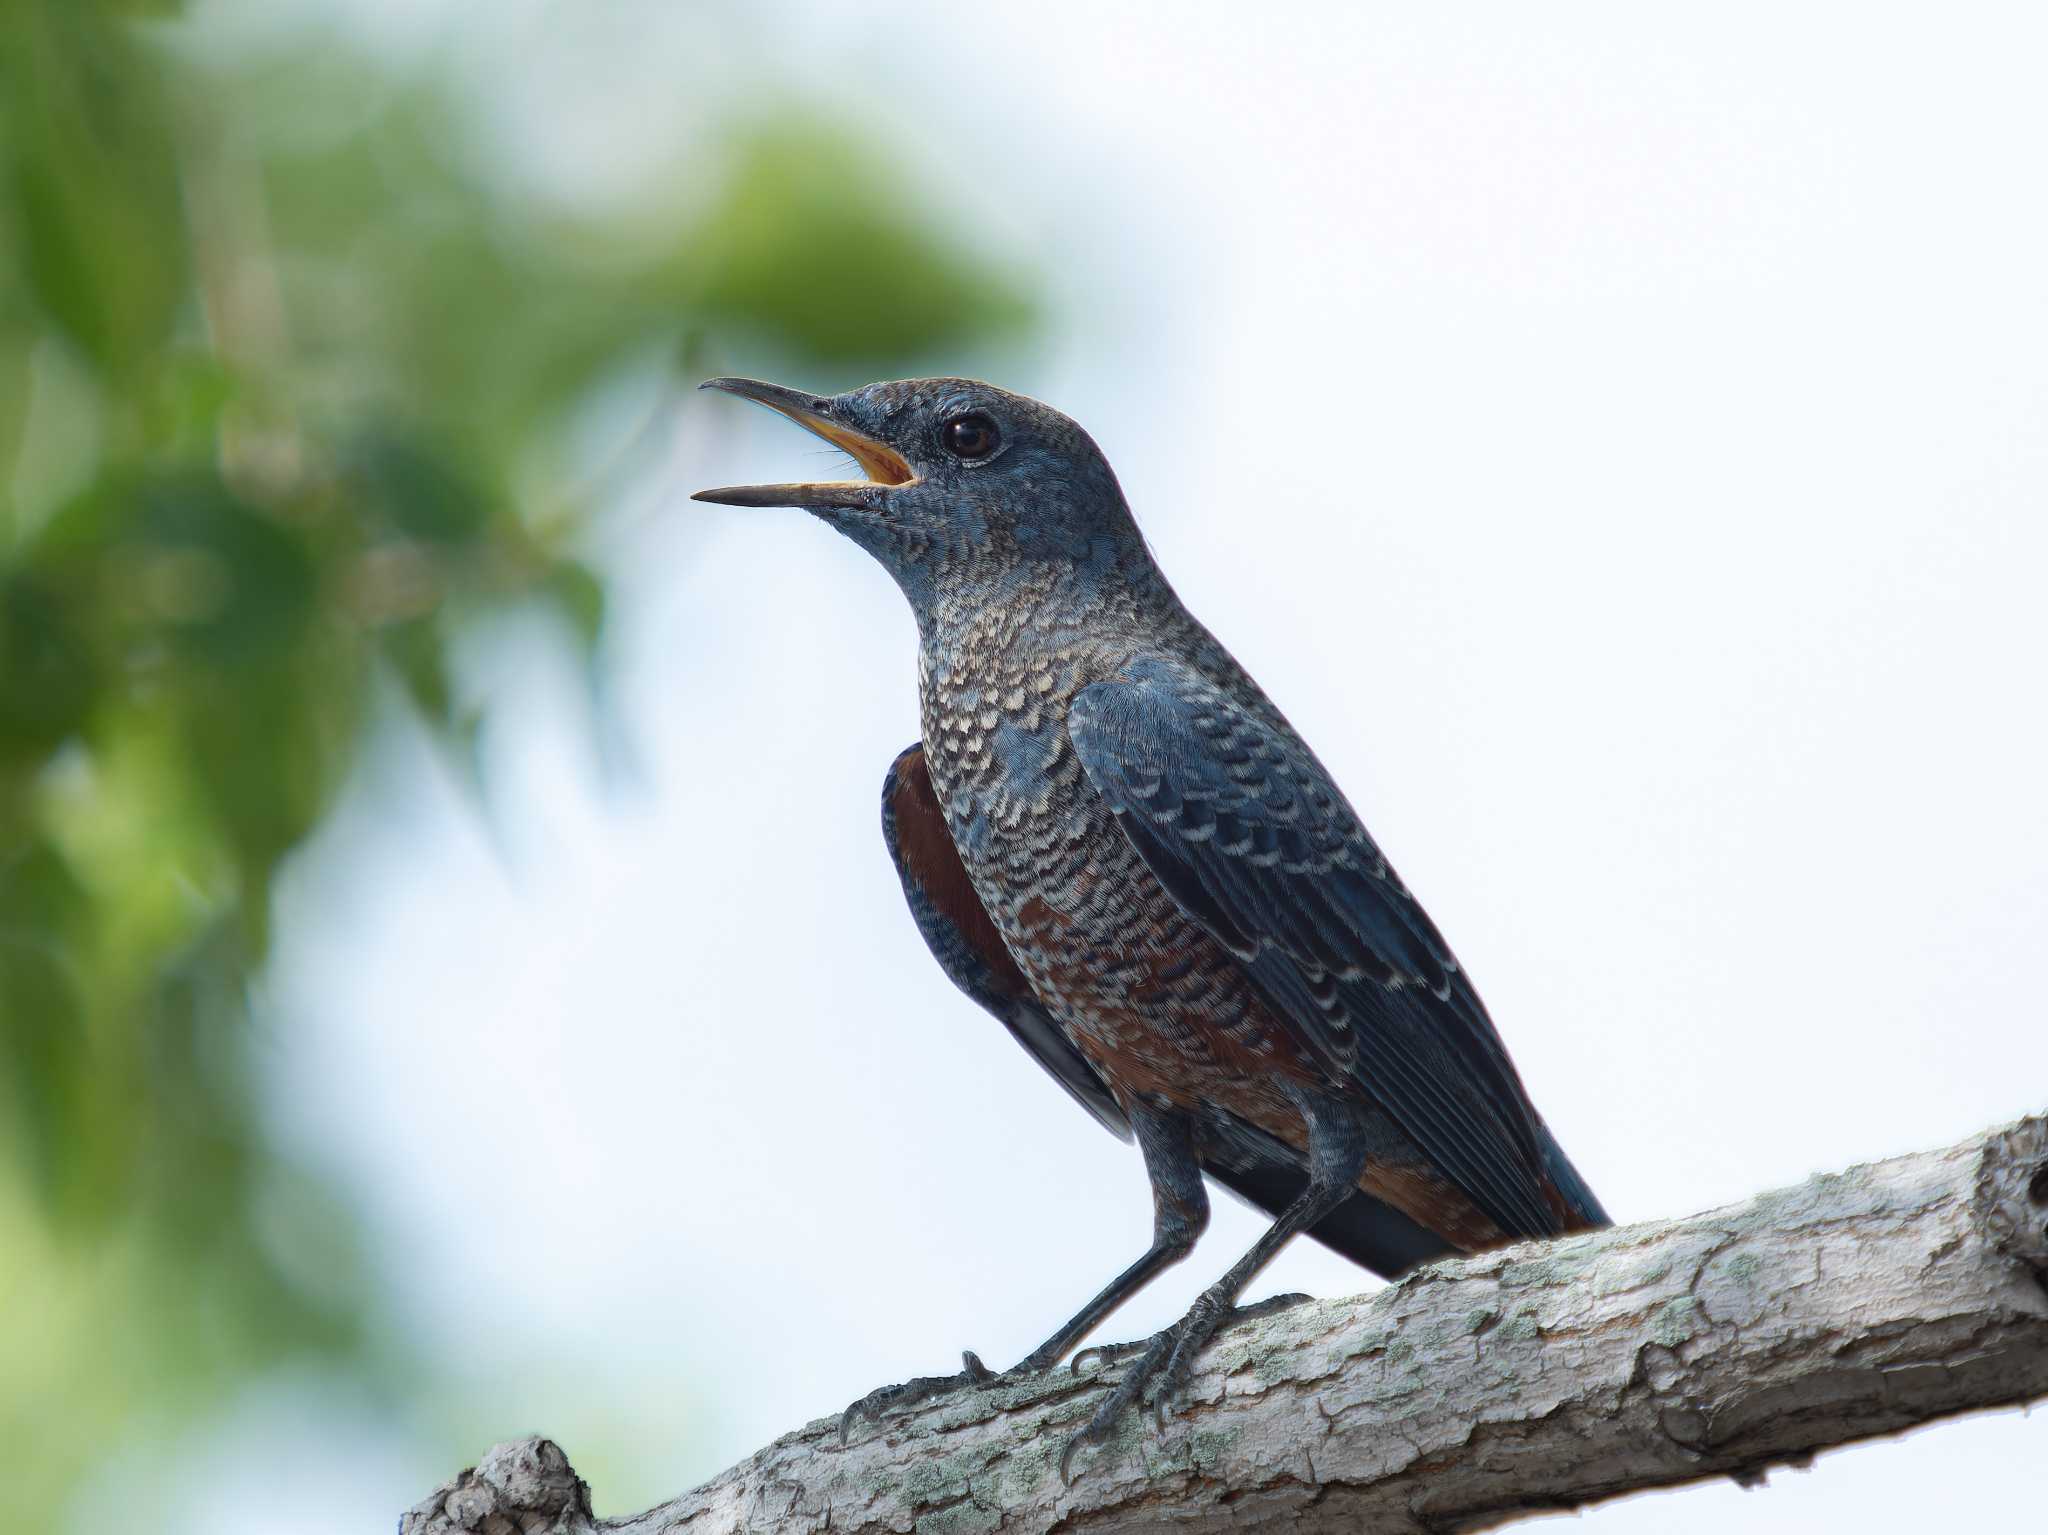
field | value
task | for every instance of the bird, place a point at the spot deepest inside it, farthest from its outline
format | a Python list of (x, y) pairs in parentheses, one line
[(1112, 840)]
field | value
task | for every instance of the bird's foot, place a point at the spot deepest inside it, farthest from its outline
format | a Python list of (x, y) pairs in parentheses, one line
[(1104, 1354), (1128, 1390), (1271, 1305), (886, 1400), (1110, 1353), (1168, 1360)]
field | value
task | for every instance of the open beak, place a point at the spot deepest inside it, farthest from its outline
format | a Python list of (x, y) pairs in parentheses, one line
[(882, 464)]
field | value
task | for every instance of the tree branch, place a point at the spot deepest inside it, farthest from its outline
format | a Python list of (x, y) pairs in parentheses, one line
[(1534, 1378)]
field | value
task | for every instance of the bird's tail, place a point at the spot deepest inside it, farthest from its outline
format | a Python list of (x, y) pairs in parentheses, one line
[(1267, 1174), (1578, 1198)]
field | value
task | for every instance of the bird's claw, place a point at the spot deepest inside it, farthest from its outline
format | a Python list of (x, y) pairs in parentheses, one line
[(1269, 1305), (1128, 1391), (1169, 1360), (979, 1374), (884, 1400), (1087, 1435), (1190, 1338), (1102, 1353)]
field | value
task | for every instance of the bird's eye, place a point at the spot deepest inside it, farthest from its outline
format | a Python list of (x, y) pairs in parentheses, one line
[(971, 436)]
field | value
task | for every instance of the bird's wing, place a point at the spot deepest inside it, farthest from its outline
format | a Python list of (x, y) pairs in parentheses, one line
[(965, 942), (1243, 826)]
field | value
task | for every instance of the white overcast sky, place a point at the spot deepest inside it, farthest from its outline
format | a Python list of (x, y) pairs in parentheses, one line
[(1614, 434)]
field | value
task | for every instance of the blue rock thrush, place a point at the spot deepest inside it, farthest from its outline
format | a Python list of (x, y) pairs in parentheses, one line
[(1113, 841)]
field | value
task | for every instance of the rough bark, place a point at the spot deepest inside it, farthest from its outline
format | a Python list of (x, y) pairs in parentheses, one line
[(1534, 1378)]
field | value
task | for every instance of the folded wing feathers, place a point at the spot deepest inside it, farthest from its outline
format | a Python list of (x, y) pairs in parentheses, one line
[(1244, 830)]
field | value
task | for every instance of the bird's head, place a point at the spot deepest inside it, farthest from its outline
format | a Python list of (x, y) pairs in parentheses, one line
[(966, 484)]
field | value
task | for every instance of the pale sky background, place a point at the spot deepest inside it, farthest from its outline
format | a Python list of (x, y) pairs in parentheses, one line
[(1613, 433)]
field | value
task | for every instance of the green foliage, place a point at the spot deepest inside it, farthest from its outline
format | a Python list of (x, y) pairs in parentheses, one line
[(807, 222), (286, 389)]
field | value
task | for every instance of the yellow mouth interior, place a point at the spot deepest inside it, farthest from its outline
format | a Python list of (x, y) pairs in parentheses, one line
[(878, 461)]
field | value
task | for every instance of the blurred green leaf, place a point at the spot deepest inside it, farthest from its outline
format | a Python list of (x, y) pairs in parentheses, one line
[(579, 596), (814, 244), (40, 1034), (422, 492), (41, 1021), (93, 182), (235, 588), (48, 676), (417, 650)]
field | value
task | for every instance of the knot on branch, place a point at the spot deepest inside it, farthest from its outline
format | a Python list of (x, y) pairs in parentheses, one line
[(522, 1487), (2012, 1191)]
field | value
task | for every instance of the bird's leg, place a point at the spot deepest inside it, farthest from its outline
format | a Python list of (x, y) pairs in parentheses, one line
[(1337, 1140), (1180, 1213)]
